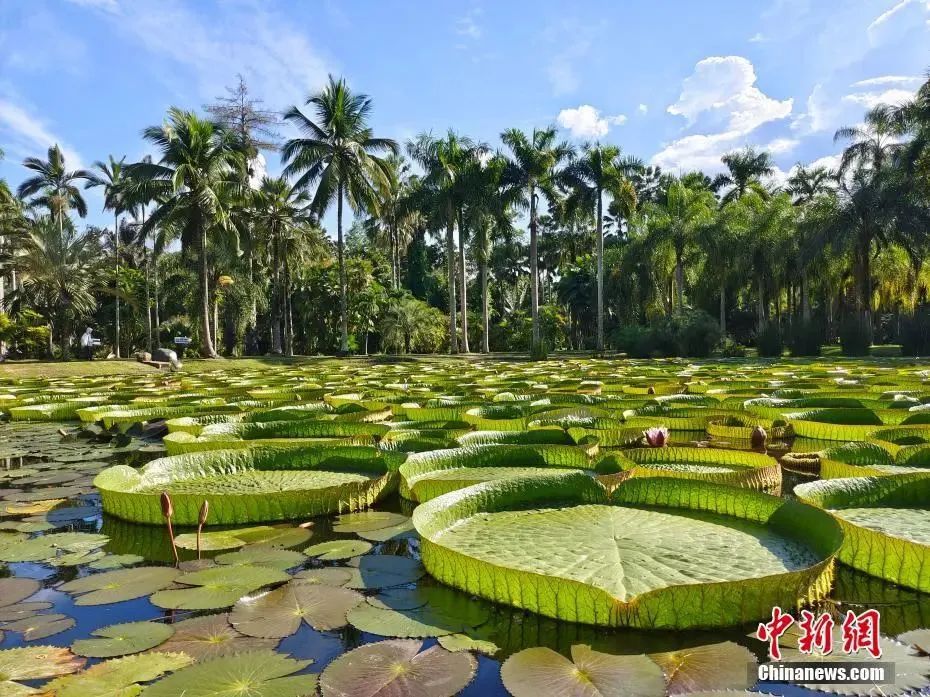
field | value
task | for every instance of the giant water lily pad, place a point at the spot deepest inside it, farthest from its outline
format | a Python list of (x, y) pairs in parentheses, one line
[(679, 563), (397, 668), (279, 613), (256, 674), (123, 639), (211, 636), (118, 677), (217, 587), (117, 586), (541, 672)]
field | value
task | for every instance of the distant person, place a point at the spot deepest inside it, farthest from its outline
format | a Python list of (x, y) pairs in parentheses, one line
[(87, 344)]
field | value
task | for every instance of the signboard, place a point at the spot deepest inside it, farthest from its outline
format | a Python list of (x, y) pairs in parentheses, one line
[(182, 341)]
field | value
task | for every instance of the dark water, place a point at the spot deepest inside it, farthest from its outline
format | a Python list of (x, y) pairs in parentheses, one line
[(512, 630)]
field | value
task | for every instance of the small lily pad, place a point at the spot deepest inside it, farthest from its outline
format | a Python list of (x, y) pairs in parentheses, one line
[(279, 613), (261, 555), (218, 587), (14, 590), (401, 531), (365, 521), (327, 576), (271, 535), (710, 667), (463, 642), (398, 668), (383, 571), (541, 671), (116, 561), (335, 550), (20, 611), (258, 674), (117, 677), (40, 626), (117, 586), (211, 636), (123, 639), (34, 663)]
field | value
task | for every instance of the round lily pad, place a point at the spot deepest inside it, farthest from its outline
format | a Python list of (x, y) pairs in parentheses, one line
[(211, 636), (335, 550), (117, 586), (118, 676), (19, 611), (383, 571), (40, 626), (218, 587), (401, 531), (116, 561), (327, 576), (708, 667), (541, 671), (123, 639), (14, 590), (257, 674), (272, 535), (279, 613), (365, 521), (262, 555), (463, 642), (397, 668), (34, 663)]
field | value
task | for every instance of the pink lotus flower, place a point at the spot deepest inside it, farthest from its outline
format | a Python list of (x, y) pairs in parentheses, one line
[(656, 437)]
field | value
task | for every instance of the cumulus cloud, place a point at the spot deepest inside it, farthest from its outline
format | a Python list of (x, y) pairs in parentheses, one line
[(643, 108), (723, 89), (587, 122), (821, 115), (25, 134), (873, 99), (701, 152)]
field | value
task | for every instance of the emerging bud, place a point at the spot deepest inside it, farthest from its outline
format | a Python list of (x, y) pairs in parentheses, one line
[(204, 512), (656, 437), (651, 390), (758, 438), (167, 508)]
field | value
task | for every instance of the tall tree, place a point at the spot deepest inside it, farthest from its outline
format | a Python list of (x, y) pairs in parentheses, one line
[(596, 172), (745, 168), (54, 186), (337, 153), (193, 184), (111, 177), (806, 185), (533, 170)]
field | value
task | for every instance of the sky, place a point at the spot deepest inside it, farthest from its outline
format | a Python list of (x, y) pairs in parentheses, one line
[(676, 83)]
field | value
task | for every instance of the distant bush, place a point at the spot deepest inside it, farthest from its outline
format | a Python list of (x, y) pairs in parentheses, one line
[(915, 333), (855, 337), (25, 334), (731, 349), (690, 333), (805, 338), (769, 341)]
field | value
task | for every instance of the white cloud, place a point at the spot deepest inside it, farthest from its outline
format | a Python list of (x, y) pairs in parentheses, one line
[(901, 18), (781, 145), (586, 122), (822, 113), (889, 80), (758, 38), (701, 152), (272, 53), (643, 108), (873, 99), (722, 89), (24, 134), (570, 41), (468, 25)]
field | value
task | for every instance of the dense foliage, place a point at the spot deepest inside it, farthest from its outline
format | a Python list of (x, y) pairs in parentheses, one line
[(455, 246)]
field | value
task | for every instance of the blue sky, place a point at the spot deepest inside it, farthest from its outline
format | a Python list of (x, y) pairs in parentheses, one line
[(675, 82)]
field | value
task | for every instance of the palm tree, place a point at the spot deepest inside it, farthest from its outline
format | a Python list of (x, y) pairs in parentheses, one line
[(448, 183), (744, 170), (599, 170), (111, 176), (282, 212), (58, 278), (806, 185), (533, 170), (677, 220), (337, 153), (192, 185), (872, 143), (54, 186)]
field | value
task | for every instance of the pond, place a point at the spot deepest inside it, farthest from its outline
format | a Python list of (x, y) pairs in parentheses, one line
[(360, 580)]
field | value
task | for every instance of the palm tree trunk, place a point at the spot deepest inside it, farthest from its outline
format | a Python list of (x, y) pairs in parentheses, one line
[(761, 304), (679, 279), (600, 270), (288, 319), (463, 288), (343, 301), (116, 247), (157, 303), (277, 296), (534, 271), (148, 287), (206, 342), (450, 264), (485, 342), (805, 299), (723, 309)]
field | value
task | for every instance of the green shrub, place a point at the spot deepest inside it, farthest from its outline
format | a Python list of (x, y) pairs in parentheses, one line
[(915, 333), (769, 341), (855, 337), (805, 338), (25, 335), (690, 333), (731, 349)]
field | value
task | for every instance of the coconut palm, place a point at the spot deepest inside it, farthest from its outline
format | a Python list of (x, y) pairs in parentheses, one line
[(53, 186), (533, 170), (745, 168), (337, 153), (596, 172), (807, 183), (111, 177), (872, 143), (193, 185)]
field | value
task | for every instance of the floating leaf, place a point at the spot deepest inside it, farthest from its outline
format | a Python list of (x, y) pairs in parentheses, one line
[(383, 571), (366, 521), (116, 561), (35, 663), (327, 576), (13, 590), (40, 626), (397, 668), (711, 667), (274, 536), (120, 585), (211, 636), (429, 611), (217, 587), (256, 674), (118, 677), (123, 639), (918, 638), (11, 613), (335, 550), (279, 613), (463, 642), (540, 672), (261, 555), (401, 531)]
